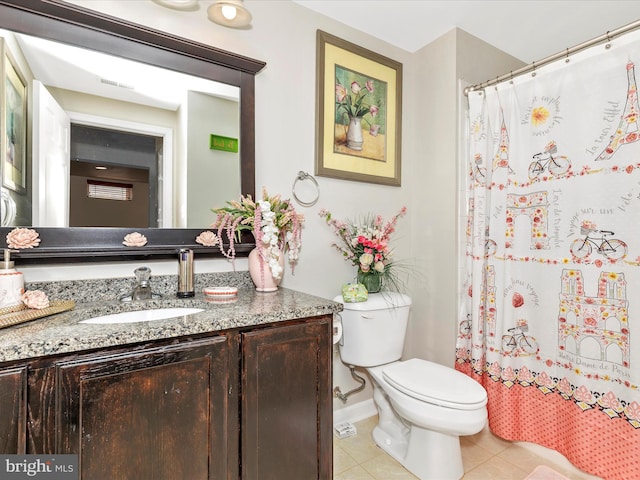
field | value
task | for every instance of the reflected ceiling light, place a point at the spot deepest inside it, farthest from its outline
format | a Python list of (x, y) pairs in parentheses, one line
[(229, 13), (179, 4)]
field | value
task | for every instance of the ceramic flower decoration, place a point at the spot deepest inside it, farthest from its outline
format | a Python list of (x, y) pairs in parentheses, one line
[(208, 239), (36, 299), (134, 239), (23, 238)]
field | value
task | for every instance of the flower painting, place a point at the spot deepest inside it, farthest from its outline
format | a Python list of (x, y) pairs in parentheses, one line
[(359, 111), (360, 104)]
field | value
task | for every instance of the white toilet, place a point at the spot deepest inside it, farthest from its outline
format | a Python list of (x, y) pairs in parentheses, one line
[(423, 406)]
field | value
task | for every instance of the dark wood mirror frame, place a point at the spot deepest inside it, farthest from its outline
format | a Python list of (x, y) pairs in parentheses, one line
[(63, 22)]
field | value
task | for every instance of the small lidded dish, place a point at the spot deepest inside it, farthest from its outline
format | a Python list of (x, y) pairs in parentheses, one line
[(220, 292)]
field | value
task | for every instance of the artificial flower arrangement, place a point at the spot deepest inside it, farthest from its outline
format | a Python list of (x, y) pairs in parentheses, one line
[(274, 222), (365, 243)]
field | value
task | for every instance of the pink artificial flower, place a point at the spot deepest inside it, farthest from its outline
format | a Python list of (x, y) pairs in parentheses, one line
[(23, 238), (135, 239), (369, 85), (208, 239), (35, 299), (355, 87), (341, 92), (373, 110)]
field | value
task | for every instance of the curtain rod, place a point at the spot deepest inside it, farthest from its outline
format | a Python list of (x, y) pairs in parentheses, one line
[(532, 66)]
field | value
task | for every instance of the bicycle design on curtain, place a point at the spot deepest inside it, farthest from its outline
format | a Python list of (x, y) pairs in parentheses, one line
[(543, 161), (517, 343), (611, 248), (464, 329)]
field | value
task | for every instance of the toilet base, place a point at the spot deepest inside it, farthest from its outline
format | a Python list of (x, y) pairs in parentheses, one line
[(429, 455)]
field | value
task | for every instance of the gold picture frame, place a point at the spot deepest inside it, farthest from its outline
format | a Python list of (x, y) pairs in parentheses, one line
[(358, 113), (13, 120)]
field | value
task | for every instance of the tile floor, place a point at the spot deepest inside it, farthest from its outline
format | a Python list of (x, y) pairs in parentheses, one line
[(484, 455)]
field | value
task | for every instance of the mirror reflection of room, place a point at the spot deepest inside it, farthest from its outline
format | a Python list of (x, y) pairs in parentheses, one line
[(72, 91), (113, 178)]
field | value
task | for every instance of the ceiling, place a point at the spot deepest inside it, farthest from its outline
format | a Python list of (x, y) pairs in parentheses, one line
[(529, 30), (73, 68)]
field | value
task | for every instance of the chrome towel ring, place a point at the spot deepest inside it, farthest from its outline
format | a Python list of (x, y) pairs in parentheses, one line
[(316, 194)]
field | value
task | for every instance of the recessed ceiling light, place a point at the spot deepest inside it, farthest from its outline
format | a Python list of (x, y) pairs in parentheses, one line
[(100, 167)]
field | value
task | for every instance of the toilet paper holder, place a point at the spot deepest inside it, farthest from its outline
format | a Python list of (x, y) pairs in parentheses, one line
[(336, 330)]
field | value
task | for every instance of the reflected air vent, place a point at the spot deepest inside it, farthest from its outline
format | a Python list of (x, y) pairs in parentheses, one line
[(117, 84)]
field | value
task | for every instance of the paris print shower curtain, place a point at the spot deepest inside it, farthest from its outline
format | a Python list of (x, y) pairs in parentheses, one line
[(550, 306)]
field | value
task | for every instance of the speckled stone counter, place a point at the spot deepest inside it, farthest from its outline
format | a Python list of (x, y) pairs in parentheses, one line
[(63, 333)]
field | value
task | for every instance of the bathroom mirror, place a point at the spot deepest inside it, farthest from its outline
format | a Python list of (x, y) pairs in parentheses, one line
[(73, 25)]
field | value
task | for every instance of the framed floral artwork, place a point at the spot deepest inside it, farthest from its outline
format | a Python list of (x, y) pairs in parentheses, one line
[(358, 112), (13, 142)]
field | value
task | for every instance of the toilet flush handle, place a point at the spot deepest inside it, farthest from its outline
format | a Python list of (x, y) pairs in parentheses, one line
[(366, 316)]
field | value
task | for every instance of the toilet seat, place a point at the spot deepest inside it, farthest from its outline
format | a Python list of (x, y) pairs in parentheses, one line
[(434, 383)]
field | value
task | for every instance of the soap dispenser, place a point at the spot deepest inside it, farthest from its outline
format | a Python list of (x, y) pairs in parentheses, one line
[(11, 282), (185, 273)]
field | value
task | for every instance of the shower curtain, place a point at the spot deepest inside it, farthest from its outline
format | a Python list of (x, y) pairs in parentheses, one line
[(550, 302)]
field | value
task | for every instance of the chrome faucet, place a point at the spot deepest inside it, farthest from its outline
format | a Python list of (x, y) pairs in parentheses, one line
[(185, 273), (142, 288)]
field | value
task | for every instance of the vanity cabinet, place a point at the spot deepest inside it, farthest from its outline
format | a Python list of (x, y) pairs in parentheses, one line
[(13, 409), (250, 403), (287, 403), (161, 413)]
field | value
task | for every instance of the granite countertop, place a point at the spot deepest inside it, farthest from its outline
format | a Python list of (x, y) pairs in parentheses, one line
[(62, 333)]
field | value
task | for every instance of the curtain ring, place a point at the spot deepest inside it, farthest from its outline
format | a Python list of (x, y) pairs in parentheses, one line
[(608, 44), (305, 176), (567, 60), (533, 73), (511, 77)]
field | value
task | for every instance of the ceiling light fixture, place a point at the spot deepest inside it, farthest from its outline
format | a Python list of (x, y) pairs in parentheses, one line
[(229, 13), (179, 4)]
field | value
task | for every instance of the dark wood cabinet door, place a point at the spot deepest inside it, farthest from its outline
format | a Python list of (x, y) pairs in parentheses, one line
[(156, 414), (13, 410), (286, 402)]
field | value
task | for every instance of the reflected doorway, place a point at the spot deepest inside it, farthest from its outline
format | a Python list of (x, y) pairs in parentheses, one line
[(113, 178)]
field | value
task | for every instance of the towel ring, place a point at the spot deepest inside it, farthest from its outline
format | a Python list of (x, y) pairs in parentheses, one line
[(305, 176)]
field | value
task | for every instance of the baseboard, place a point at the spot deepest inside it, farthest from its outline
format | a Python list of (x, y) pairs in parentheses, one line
[(355, 413)]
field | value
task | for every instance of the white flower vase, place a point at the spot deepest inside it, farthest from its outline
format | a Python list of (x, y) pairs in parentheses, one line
[(354, 134), (261, 272)]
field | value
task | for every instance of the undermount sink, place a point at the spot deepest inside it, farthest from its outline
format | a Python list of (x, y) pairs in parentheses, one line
[(143, 315)]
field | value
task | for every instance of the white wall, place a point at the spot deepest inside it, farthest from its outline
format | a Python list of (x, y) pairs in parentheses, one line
[(213, 176), (435, 173), (284, 35)]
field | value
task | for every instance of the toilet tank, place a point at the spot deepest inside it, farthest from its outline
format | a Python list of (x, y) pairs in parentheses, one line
[(373, 331)]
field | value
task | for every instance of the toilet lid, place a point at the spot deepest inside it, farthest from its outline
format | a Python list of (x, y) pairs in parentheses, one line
[(435, 383)]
